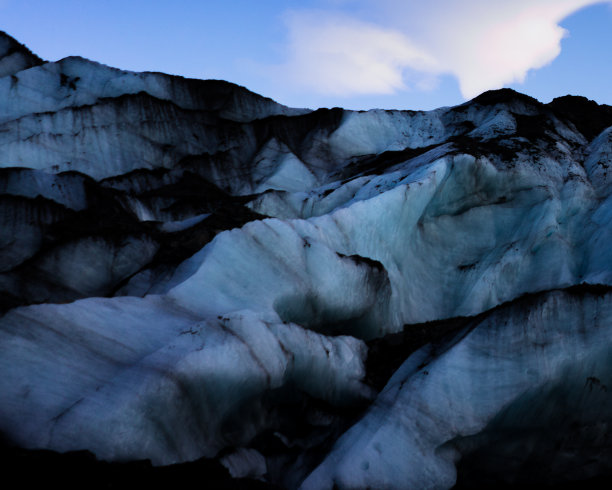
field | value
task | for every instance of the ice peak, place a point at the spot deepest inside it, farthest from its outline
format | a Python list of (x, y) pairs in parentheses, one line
[(14, 56), (503, 96)]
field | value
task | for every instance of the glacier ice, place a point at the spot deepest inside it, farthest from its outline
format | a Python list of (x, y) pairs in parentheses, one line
[(408, 438), (15, 57), (162, 383), (189, 269)]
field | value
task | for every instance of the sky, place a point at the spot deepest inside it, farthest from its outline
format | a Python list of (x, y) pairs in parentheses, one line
[(357, 54)]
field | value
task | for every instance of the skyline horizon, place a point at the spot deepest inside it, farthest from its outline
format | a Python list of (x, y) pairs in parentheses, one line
[(580, 67)]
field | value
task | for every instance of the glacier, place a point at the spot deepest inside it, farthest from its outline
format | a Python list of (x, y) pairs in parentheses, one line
[(311, 298)]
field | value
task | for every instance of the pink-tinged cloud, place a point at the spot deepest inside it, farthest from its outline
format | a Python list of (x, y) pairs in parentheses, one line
[(484, 44)]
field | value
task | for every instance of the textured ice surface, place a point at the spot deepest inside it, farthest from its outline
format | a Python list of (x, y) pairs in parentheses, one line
[(65, 189), (159, 382), (14, 57), (75, 82), (174, 226), (268, 245), (439, 395), (455, 237)]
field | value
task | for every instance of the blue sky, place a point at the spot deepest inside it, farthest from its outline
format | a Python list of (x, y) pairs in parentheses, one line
[(357, 54)]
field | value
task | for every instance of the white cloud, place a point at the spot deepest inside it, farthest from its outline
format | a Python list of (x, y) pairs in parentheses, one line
[(337, 55), (485, 44)]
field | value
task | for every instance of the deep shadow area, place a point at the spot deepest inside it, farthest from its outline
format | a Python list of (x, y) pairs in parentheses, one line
[(588, 116), (81, 470)]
